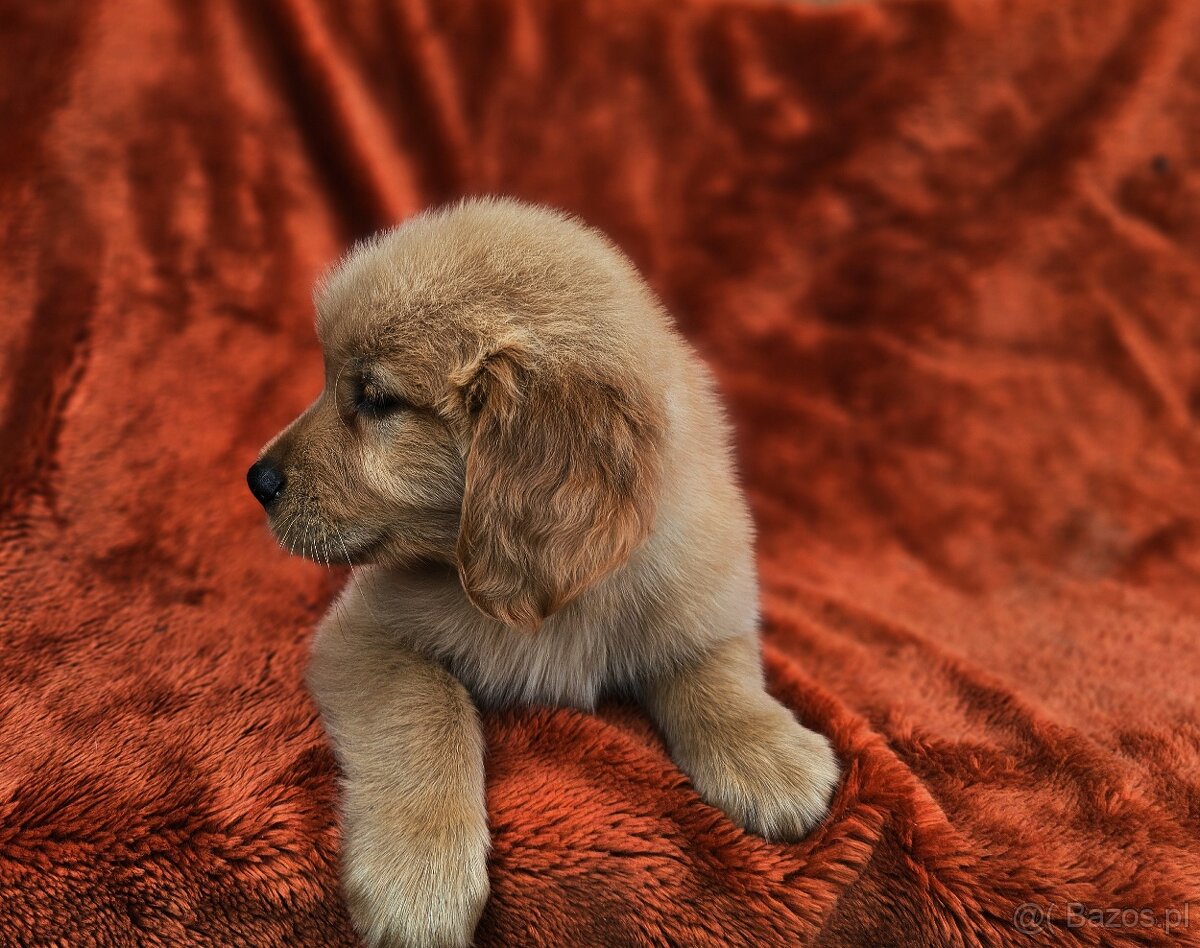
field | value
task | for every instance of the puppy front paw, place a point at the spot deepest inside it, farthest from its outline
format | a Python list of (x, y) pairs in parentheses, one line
[(771, 775), (415, 887)]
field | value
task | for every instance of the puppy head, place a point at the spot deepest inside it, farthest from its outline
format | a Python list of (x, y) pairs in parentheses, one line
[(489, 403)]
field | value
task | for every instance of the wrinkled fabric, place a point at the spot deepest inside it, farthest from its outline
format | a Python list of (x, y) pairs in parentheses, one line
[(944, 258)]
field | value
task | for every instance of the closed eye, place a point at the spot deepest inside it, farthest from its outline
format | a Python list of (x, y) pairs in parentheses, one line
[(374, 401)]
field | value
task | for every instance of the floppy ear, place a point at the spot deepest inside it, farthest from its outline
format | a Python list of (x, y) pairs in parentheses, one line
[(561, 482)]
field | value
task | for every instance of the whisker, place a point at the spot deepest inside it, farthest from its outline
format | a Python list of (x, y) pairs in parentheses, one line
[(365, 599), (285, 531), (345, 553), (307, 525)]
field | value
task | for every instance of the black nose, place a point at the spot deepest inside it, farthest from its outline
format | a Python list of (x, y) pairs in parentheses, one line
[(266, 481)]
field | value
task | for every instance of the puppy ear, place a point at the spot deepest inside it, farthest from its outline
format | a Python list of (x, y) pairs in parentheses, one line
[(561, 481)]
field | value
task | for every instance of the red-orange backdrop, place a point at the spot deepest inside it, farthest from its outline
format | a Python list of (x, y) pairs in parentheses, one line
[(943, 255)]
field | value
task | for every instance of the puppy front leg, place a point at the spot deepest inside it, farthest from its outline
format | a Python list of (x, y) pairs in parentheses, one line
[(414, 820), (744, 751)]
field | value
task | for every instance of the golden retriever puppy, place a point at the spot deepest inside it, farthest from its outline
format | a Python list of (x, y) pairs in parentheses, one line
[(533, 469)]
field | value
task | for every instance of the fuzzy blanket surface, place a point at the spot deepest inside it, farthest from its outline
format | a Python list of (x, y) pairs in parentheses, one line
[(944, 257)]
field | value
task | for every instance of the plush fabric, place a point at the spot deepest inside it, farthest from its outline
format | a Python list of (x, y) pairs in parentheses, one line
[(944, 257)]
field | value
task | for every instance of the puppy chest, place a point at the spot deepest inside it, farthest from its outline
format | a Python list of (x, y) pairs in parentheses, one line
[(539, 668)]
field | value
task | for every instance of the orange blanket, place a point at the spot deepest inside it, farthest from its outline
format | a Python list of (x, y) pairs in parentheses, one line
[(944, 256)]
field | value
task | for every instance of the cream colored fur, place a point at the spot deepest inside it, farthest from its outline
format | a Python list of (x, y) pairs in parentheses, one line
[(545, 511)]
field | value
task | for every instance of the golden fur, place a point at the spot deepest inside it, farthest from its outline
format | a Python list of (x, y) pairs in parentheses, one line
[(533, 469)]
